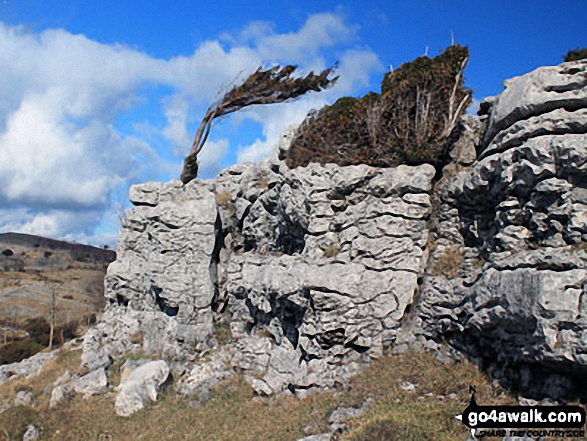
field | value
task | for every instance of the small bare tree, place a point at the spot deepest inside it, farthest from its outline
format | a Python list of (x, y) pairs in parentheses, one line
[(274, 85), (455, 113), (52, 314)]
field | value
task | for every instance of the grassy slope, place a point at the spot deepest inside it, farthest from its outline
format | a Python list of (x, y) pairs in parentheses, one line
[(235, 414), (26, 294)]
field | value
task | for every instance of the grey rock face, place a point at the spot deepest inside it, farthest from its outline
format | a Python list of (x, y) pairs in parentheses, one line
[(140, 387), (329, 263), (515, 223), (160, 288), (539, 92), (315, 268), (205, 375)]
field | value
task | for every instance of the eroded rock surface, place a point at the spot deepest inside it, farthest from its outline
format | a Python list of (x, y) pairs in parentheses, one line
[(515, 229), (312, 269), (160, 287)]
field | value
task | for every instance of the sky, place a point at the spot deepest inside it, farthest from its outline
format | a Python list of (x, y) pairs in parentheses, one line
[(96, 96)]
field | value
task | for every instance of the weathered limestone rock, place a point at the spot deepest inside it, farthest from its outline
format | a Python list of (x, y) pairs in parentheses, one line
[(28, 367), (160, 287), (141, 387), (31, 433), (204, 376), (539, 92), (87, 385), (516, 223), (323, 260), (23, 398), (330, 264)]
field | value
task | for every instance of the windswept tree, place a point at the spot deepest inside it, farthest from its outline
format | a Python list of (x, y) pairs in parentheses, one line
[(271, 86)]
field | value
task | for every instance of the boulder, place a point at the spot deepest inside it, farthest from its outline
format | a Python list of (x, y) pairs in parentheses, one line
[(31, 433), (87, 385), (141, 387), (23, 398)]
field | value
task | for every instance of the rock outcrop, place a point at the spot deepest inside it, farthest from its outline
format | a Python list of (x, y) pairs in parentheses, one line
[(140, 386), (86, 385), (297, 278), (309, 270), (517, 223)]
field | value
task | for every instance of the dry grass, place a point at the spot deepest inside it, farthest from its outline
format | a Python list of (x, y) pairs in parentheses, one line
[(331, 250), (449, 263), (223, 198), (66, 360), (426, 413), (27, 295), (234, 413)]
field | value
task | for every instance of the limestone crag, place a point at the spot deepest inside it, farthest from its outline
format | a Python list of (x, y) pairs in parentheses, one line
[(163, 272), (329, 263), (311, 269), (518, 219)]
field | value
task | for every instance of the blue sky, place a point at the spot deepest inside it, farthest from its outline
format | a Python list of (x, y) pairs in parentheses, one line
[(96, 96)]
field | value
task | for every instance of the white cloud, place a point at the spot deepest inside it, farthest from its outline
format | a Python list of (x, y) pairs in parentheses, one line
[(176, 113), (211, 156), (62, 155), (320, 31), (275, 120), (50, 223)]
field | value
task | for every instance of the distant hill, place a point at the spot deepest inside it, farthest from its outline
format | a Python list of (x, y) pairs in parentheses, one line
[(78, 252), (33, 268)]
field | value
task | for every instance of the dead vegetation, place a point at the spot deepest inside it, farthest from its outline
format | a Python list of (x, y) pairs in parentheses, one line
[(234, 413), (448, 263)]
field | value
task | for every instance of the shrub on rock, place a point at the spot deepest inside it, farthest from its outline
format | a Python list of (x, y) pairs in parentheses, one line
[(575, 55), (409, 122)]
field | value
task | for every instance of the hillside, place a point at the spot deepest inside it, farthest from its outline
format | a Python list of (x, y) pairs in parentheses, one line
[(33, 268)]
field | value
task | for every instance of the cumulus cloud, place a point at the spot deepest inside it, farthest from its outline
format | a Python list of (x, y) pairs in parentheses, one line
[(64, 155), (320, 31)]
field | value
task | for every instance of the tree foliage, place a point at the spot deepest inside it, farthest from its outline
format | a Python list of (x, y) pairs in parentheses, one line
[(575, 55), (409, 122), (274, 85)]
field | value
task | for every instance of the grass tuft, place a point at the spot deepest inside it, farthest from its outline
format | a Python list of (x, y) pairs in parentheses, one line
[(234, 413)]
